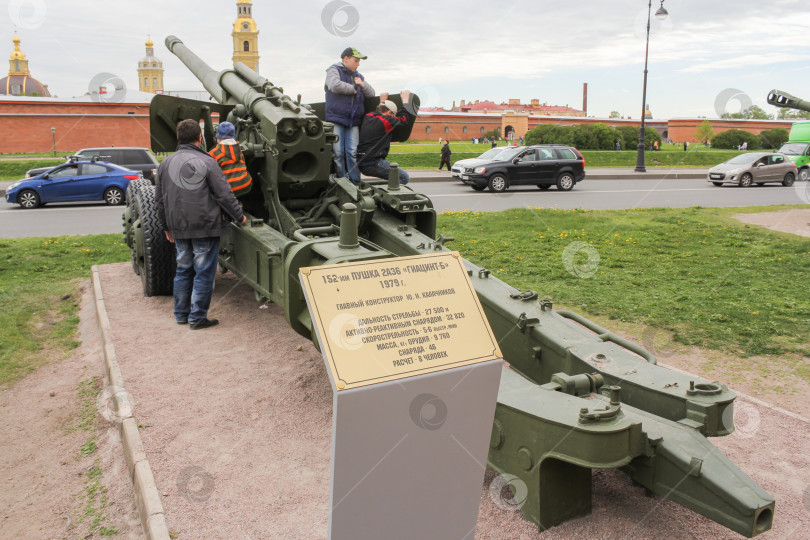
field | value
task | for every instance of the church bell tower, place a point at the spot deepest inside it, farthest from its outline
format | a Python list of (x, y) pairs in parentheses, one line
[(245, 36)]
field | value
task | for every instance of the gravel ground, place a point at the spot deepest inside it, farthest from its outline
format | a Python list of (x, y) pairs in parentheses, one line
[(237, 427)]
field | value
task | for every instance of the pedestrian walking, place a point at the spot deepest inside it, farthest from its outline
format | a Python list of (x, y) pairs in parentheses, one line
[(445, 155)]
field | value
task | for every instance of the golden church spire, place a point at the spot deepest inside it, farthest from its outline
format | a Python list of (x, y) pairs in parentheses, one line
[(150, 70)]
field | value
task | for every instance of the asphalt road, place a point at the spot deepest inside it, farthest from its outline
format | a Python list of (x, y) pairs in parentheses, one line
[(93, 218)]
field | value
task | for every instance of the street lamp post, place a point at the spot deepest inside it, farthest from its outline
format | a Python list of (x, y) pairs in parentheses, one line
[(660, 14), (53, 134)]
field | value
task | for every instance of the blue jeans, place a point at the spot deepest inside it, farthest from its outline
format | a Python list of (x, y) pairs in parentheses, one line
[(345, 152), (194, 280), (380, 169)]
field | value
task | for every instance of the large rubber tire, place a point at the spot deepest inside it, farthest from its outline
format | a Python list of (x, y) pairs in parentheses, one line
[(746, 180), (28, 199), (130, 218), (788, 180), (114, 196), (565, 182), (497, 183), (159, 261), (804, 174)]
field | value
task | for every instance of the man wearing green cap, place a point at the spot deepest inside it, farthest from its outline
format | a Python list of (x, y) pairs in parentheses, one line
[(346, 90)]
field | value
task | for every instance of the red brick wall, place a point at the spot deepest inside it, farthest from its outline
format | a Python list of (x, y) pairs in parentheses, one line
[(683, 129), (26, 126)]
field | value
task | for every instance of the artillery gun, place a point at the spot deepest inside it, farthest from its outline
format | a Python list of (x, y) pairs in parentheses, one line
[(798, 145), (573, 396)]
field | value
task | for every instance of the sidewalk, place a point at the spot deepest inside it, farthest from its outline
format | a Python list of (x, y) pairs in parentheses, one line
[(656, 173)]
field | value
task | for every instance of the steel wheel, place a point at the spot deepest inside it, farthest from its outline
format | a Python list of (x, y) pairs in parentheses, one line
[(497, 183), (565, 182), (745, 180), (804, 174), (28, 199), (788, 180), (114, 196)]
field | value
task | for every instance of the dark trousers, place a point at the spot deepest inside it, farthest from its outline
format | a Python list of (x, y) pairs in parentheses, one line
[(445, 160)]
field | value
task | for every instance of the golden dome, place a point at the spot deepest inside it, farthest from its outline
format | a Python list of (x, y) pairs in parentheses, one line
[(149, 43), (16, 54)]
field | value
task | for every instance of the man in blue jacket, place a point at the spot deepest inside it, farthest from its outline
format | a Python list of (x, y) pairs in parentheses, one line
[(191, 195), (346, 90)]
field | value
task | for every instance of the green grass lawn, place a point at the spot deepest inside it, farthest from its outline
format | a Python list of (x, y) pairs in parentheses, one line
[(711, 280), (38, 296)]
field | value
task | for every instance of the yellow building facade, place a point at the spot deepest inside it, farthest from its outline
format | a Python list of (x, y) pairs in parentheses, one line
[(245, 36), (150, 71)]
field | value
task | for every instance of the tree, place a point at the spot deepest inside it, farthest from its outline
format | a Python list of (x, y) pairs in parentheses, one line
[(734, 138), (790, 114), (704, 131), (614, 114), (751, 113), (774, 138)]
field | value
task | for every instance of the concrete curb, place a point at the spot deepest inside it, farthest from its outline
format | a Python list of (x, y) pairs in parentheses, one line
[(147, 496)]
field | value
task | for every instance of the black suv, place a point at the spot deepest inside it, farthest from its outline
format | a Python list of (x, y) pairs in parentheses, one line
[(543, 165), (134, 159)]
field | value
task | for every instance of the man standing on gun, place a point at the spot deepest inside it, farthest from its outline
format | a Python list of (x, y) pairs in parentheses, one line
[(346, 91)]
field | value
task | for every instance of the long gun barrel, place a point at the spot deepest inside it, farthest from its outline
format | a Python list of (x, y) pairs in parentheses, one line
[(778, 98)]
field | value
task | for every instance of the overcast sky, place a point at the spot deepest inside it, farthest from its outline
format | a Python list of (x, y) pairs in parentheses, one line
[(706, 57)]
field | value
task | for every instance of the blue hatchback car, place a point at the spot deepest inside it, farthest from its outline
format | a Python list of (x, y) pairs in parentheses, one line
[(73, 181)]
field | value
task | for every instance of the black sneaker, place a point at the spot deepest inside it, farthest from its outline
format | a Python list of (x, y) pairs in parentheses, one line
[(205, 323), (182, 321)]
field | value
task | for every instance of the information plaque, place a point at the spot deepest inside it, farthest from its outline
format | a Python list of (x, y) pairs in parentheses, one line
[(415, 371), (389, 319)]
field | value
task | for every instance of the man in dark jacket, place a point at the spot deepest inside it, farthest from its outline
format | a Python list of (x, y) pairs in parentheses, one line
[(191, 194), (445, 155), (346, 91), (375, 137)]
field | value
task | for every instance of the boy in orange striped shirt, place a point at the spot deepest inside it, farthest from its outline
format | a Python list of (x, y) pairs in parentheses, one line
[(230, 159)]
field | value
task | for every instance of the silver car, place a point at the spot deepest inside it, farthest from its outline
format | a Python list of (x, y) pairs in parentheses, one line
[(754, 168), (458, 166)]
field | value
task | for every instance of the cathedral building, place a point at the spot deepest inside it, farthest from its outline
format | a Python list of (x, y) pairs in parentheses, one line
[(19, 81), (150, 71), (245, 36)]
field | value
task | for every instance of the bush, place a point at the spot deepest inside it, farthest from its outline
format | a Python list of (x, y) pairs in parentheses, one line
[(590, 136), (734, 138), (774, 138), (537, 135)]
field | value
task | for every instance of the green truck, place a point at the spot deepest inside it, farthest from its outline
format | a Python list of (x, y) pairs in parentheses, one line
[(798, 148), (798, 145)]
